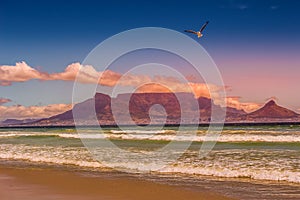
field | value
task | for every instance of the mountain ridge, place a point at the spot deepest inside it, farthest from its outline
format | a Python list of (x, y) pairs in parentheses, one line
[(160, 108)]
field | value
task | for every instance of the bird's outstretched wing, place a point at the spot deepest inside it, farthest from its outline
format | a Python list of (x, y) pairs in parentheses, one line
[(203, 27), (190, 31)]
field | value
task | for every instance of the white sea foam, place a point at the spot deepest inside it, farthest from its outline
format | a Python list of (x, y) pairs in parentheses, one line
[(200, 138), (18, 134), (165, 135), (53, 155), (257, 174), (140, 131), (259, 165)]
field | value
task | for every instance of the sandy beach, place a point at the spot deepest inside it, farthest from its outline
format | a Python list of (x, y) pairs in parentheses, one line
[(47, 184)]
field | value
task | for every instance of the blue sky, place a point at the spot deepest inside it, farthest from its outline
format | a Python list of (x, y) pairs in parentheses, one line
[(254, 43), (53, 33)]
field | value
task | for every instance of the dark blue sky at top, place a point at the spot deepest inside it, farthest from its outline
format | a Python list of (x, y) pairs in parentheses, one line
[(49, 35), (53, 34)]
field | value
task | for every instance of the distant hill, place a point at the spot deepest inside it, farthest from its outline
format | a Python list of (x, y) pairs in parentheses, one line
[(272, 110), (17, 121)]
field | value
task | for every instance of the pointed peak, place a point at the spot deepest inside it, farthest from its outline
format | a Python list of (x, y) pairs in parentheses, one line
[(271, 103)]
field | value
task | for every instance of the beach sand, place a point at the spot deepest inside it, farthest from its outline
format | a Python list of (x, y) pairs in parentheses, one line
[(48, 184)]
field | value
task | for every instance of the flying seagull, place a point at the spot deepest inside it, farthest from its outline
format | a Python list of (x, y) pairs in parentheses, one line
[(199, 33)]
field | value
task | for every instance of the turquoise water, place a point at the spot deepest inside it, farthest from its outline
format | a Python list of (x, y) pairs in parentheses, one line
[(257, 153)]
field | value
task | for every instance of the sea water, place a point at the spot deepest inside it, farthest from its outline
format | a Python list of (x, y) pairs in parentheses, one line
[(260, 155)]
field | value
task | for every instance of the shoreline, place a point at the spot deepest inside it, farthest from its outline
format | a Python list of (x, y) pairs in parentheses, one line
[(47, 183)]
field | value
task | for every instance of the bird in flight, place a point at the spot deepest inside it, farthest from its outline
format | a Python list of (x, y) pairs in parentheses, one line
[(198, 33)]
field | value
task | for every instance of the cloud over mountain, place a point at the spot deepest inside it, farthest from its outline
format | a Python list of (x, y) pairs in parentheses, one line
[(234, 101), (22, 112)]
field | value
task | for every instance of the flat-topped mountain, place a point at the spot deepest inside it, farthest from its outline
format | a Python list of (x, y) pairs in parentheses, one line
[(141, 108)]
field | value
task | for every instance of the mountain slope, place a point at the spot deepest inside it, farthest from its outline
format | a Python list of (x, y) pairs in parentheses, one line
[(17, 121), (272, 110)]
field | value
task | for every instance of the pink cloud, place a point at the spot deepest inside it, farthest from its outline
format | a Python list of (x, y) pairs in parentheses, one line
[(4, 100), (21, 72), (5, 83), (86, 74), (198, 89), (23, 112), (235, 102)]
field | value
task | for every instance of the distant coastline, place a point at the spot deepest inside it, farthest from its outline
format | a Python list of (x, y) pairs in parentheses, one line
[(159, 125)]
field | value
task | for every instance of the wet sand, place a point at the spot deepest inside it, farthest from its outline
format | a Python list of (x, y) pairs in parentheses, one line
[(49, 184)]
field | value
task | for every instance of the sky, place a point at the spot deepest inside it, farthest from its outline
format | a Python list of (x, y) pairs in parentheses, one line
[(254, 43)]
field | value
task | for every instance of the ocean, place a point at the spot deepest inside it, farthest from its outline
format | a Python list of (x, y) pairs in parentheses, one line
[(247, 162)]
